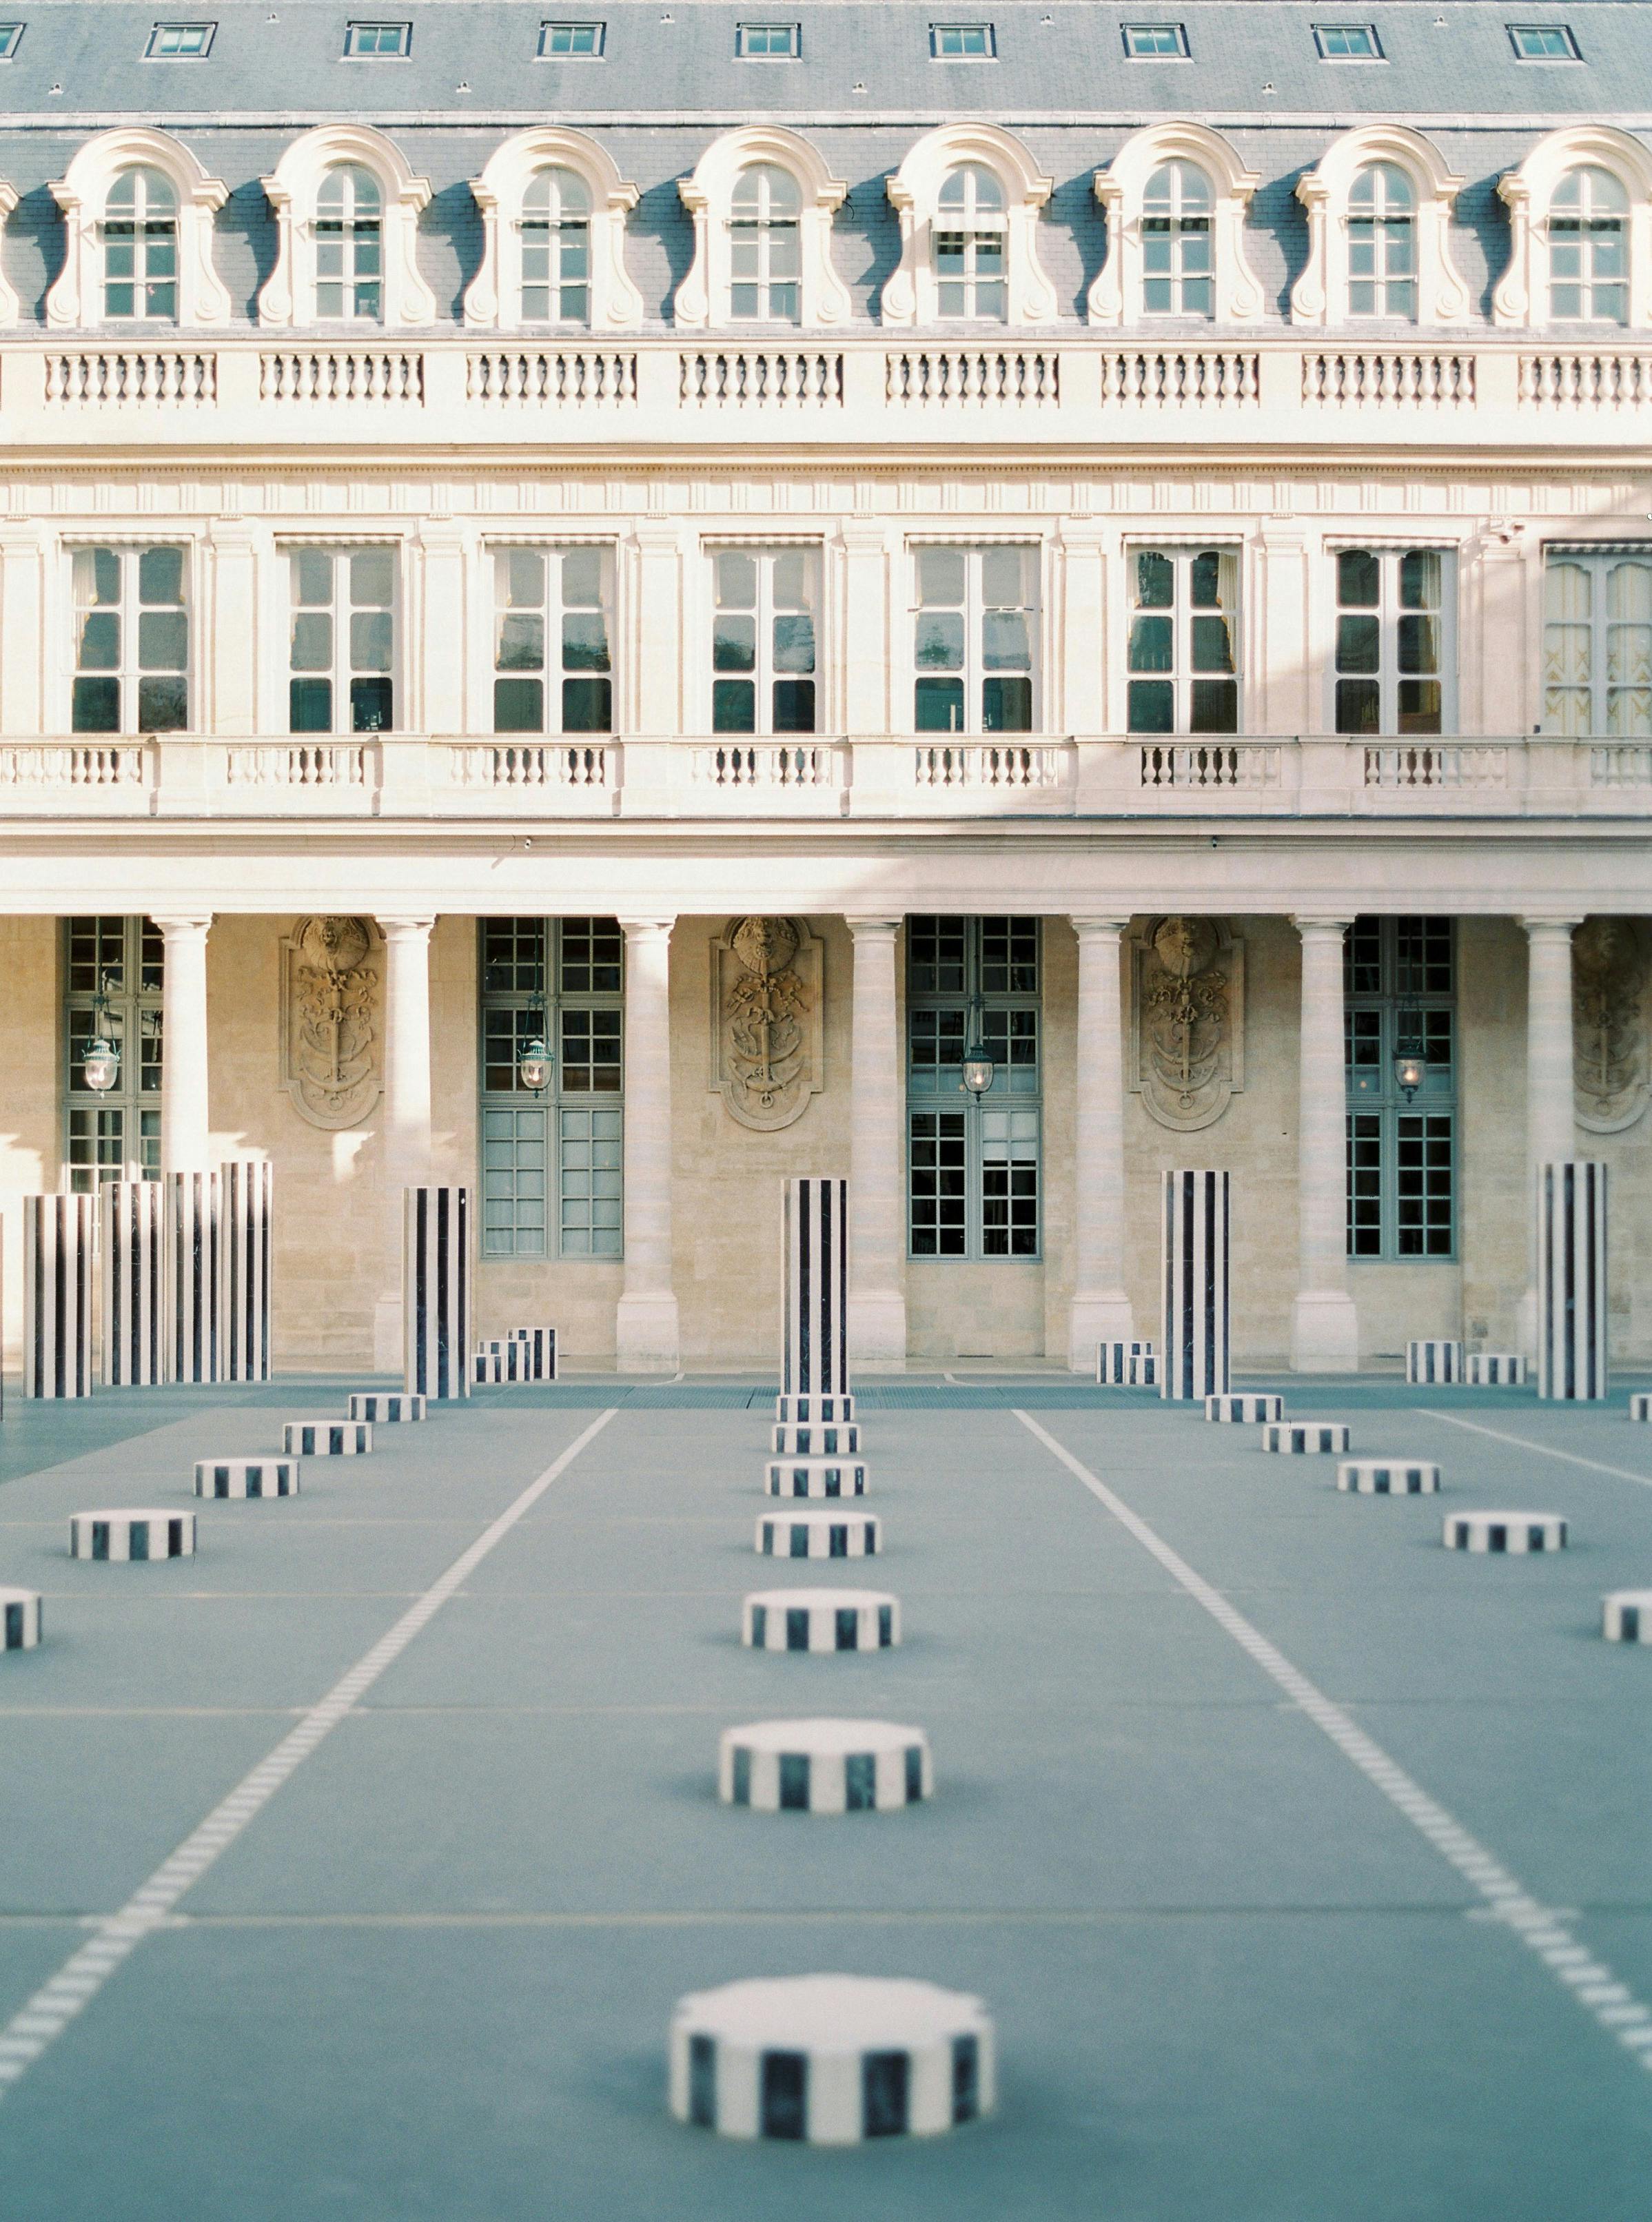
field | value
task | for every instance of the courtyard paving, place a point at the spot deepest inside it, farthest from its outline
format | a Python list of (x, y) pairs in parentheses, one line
[(1233, 1977)]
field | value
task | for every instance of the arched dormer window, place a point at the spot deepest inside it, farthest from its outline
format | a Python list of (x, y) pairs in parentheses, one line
[(764, 254), (137, 219), (140, 236), (346, 209), (761, 202), (1580, 232), (968, 197), (1175, 196), (1382, 244), (349, 247), (1378, 233), (553, 207)]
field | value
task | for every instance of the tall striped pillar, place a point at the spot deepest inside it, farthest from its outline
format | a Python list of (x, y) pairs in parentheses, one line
[(436, 1290), (1193, 1355), (1572, 1279), (57, 1295), (246, 1188), (192, 1209), (132, 1283), (814, 1278)]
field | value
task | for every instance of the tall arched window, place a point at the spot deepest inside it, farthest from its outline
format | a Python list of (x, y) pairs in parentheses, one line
[(765, 262), (970, 229), (1382, 244), (555, 249), (1588, 248), (140, 237), (349, 246), (1177, 273)]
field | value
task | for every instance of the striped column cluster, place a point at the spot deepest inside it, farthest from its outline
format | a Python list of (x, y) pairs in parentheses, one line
[(435, 1291), (818, 1534), (1305, 1438), (1430, 1364), (191, 1237), (132, 1278), (1193, 1361), (815, 1476), (1388, 1477), (389, 1406), (327, 1438), (821, 1620), (246, 1195), (247, 1477), (1515, 1532), (1495, 1369), (1572, 1279), (58, 1269), (130, 1533), (1244, 1410), (831, 2060), (1126, 1365), (824, 1766)]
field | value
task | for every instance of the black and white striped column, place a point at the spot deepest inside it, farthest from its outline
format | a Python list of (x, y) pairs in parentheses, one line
[(539, 1351), (191, 1211), (57, 1295), (1430, 1362), (131, 1282), (435, 1291), (1572, 1279), (814, 1279), (1193, 1351), (246, 1190)]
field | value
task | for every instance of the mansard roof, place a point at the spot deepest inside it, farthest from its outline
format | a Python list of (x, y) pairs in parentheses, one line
[(1446, 62)]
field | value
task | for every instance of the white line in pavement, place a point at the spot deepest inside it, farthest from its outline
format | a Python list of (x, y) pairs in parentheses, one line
[(1522, 1443), (1538, 1927), (116, 1937)]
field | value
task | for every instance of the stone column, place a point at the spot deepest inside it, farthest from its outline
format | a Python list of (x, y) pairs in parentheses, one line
[(645, 1330), (1324, 1325), (1550, 1114), (407, 1159), (1100, 1310), (877, 1303), (184, 1123)]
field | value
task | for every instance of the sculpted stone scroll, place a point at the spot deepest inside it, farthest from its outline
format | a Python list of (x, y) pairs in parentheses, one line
[(766, 998), (330, 1042), (1187, 1030)]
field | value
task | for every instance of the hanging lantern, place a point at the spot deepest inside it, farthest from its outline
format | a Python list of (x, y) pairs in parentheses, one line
[(533, 1066), (978, 1068), (100, 1066), (1410, 1053)]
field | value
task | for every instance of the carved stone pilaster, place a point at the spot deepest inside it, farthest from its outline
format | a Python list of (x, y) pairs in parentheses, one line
[(766, 1013), (1187, 1030), (1609, 1024), (331, 1035)]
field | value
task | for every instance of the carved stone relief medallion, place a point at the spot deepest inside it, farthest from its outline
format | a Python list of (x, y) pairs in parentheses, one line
[(1187, 1031), (766, 999), (1609, 1023), (330, 1063)]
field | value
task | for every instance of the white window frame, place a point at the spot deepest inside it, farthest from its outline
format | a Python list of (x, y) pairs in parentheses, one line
[(1182, 676), (1521, 297), (1324, 33), (767, 670), (791, 52), (156, 48), (987, 32), (975, 672), (146, 229), (1118, 297), (343, 669), (1180, 217), (493, 298), (596, 51), (1390, 614), (774, 234), (129, 671), (704, 301), (562, 233), (294, 188), (1178, 53), (1519, 31), (374, 30), (554, 609), (1583, 237), (1320, 294), (910, 299), (1598, 564), (11, 37), (76, 299), (1373, 221), (356, 232), (978, 221)]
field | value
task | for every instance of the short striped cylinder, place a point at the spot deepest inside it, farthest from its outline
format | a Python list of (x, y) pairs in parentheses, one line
[(57, 1295), (1428, 1364), (192, 1291), (247, 1477), (1516, 1533), (1142, 1371), (1245, 1410), (818, 1534), (815, 1288), (821, 1620), (435, 1291), (831, 2060), (1495, 1369), (1640, 1407), (1304, 1438), (1388, 1477), (132, 1283), (20, 1619), (134, 1535), (541, 1351), (1193, 1348), (1625, 1615), (385, 1405), (1116, 1364), (790, 1441), (246, 1192), (497, 1363), (813, 1411), (824, 1766), (1572, 1280), (815, 1476), (327, 1438)]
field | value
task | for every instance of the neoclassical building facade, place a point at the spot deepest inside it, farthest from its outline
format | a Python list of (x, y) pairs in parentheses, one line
[(613, 606)]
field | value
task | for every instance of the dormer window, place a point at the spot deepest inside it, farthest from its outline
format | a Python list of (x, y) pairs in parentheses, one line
[(179, 42), (349, 247), (1588, 248), (768, 42), (1156, 42), (379, 42), (1544, 42), (555, 249), (1382, 245), (971, 231), (765, 262), (1177, 276), (571, 41), (139, 232), (1348, 42), (963, 42), (10, 39)]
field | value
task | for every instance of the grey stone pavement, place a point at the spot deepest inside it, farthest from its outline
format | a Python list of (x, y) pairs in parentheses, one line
[(431, 1977)]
